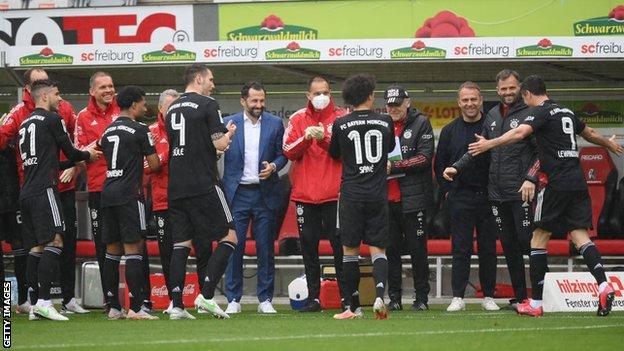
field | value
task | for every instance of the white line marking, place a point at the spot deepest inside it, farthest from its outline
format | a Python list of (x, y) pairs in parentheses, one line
[(312, 336)]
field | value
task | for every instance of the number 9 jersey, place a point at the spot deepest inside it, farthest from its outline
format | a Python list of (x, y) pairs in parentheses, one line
[(555, 129), (363, 140)]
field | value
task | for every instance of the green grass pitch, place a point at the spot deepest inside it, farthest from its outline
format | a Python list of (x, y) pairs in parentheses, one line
[(436, 329)]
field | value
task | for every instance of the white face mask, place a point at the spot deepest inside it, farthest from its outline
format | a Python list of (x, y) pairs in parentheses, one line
[(320, 101)]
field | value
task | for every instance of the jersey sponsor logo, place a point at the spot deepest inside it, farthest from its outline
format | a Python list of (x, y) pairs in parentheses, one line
[(168, 53), (46, 57), (418, 50), (544, 48), (273, 28), (613, 24), (293, 51)]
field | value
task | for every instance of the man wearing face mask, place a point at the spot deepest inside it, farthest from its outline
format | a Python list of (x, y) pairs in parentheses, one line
[(410, 196), (251, 185), (512, 179), (315, 178)]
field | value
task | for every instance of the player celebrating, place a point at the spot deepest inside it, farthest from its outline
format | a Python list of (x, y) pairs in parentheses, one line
[(124, 144), (42, 134), (197, 207), (363, 139), (564, 204)]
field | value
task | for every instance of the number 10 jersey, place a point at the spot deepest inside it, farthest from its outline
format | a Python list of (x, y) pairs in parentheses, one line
[(363, 140)]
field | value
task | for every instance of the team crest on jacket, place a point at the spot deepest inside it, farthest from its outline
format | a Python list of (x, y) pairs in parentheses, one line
[(513, 123), (161, 223), (407, 134)]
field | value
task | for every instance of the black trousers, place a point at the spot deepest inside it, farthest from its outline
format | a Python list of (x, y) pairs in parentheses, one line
[(165, 244), (407, 230), (314, 222), (100, 246), (470, 210), (68, 255), (513, 223)]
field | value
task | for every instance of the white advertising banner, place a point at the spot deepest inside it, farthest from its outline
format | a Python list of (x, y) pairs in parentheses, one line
[(163, 51), (578, 292), (108, 25)]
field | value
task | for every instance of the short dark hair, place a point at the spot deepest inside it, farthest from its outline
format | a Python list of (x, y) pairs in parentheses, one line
[(96, 75), (255, 85), (469, 85), (318, 78), (533, 84), (129, 95), (356, 89), (28, 74), (192, 71), (38, 85), (506, 73)]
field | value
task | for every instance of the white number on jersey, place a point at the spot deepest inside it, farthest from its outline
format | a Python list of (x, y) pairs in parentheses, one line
[(568, 127), (180, 126), (368, 147)]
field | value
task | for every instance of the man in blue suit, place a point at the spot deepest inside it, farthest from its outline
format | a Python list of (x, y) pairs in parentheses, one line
[(251, 186)]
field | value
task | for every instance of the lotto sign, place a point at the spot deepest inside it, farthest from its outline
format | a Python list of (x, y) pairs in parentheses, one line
[(578, 292)]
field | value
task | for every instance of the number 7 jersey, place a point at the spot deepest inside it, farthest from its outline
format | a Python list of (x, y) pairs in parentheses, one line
[(192, 122), (363, 140), (555, 130)]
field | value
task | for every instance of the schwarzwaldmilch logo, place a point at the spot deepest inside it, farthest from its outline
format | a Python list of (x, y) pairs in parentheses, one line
[(608, 25), (293, 51), (168, 54), (544, 48), (273, 28), (594, 115), (445, 24), (417, 50), (46, 57)]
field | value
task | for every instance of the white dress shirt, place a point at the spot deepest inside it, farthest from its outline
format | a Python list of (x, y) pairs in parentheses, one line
[(251, 133)]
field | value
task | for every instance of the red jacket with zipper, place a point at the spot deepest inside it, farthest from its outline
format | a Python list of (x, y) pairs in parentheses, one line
[(90, 125), (315, 176)]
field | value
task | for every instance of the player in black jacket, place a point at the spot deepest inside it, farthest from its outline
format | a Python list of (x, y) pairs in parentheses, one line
[(42, 136), (363, 139), (563, 205), (124, 143)]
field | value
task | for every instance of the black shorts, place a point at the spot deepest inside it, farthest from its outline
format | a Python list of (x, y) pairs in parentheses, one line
[(124, 223), (201, 217), (42, 218), (363, 221), (10, 226), (562, 211)]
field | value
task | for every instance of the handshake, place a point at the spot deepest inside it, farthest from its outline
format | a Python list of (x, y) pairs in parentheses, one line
[(316, 132)]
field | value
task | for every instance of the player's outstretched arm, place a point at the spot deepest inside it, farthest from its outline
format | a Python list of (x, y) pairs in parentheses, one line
[(594, 137), (513, 136)]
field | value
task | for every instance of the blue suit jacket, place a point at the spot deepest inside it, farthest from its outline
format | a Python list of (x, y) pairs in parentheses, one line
[(271, 138)]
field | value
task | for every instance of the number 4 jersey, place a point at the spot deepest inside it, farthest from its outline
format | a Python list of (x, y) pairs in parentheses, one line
[(363, 140), (555, 129), (124, 143), (192, 122)]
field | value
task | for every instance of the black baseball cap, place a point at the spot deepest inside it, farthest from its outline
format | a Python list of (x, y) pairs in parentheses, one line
[(395, 94)]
